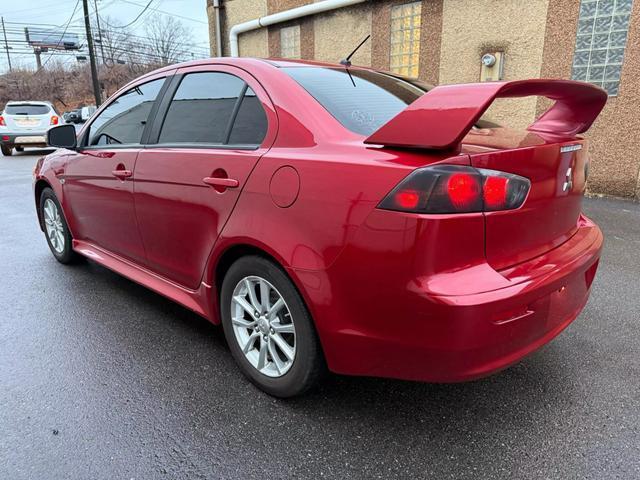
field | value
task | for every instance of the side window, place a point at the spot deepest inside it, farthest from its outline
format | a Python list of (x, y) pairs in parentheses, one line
[(250, 126), (601, 39), (123, 121), (201, 108)]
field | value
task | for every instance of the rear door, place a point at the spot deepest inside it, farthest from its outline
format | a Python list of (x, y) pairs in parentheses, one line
[(213, 125), (550, 214)]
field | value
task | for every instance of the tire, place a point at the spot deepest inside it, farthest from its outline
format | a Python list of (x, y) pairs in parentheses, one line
[(6, 150), (286, 377), (56, 229), (19, 149)]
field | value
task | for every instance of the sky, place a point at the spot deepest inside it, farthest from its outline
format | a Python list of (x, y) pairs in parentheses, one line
[(56, 14)]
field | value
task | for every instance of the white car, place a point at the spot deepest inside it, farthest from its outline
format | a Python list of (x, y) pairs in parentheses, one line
[(25, 124)]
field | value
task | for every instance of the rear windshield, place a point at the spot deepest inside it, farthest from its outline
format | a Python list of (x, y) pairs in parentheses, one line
[(26, 109), (363, 102)]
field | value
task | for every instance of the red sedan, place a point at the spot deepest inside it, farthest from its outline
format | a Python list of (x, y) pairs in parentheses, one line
[(333, 217)]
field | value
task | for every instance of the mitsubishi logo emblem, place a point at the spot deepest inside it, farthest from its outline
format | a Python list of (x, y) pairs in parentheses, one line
[(568, 181)]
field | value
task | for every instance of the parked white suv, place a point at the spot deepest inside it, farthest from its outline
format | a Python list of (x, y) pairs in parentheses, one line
[(25, 124)]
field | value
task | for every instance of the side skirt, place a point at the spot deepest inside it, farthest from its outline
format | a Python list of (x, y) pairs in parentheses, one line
[(201, 301)]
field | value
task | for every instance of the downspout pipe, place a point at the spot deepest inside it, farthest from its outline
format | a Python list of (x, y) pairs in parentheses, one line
[(285, 16), (216, 9)]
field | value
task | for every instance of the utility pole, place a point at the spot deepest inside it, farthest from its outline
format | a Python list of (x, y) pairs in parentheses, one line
[(37, 52), (92, 56), (6, 44), (95, 5)]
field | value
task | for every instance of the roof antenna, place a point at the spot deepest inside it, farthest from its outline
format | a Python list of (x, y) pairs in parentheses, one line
[(347, 61)]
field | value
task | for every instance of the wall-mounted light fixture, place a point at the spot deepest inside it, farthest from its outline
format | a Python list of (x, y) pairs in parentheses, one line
[(491, 66)]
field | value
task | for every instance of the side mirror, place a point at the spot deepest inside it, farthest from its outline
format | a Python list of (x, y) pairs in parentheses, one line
[(62, 136)]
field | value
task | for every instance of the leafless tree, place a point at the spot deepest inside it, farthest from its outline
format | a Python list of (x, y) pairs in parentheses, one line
[(168, 39), (66, 85), (115, 39)]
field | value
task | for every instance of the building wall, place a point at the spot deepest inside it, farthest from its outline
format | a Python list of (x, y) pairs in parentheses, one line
[(337, 33), (212, 28), (250, 44), (430, 37), (537, 37), (613, 139), (471, 28)]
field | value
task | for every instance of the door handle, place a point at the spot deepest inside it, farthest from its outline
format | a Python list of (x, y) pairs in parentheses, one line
[(122, 174), (221, 182)]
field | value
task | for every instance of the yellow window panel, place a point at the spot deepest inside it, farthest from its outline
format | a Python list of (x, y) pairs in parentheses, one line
[(405, 38)]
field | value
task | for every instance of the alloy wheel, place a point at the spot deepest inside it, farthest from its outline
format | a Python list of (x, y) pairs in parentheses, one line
[(53, 225), (263, 326)]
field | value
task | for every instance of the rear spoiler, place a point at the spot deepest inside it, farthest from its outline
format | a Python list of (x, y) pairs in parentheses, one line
[(443, 116)]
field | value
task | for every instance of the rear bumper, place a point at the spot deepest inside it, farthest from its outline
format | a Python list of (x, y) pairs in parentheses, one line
[(23, 138), (418, 335)]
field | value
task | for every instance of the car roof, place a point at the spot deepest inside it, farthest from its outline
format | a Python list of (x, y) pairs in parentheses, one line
[(291, 62), (248, 62), (29, 102)]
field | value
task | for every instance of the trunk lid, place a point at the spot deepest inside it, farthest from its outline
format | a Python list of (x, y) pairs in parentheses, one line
[(549, 216), (27, 122), (549, 154), (27, 116)]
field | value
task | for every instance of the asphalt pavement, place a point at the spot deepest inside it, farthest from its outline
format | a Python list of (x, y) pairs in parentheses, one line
[(103, 379)]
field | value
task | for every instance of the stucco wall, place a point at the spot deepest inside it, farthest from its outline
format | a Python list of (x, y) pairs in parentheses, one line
[(471, 28), (613, 139), (338, 32), (251, 44)]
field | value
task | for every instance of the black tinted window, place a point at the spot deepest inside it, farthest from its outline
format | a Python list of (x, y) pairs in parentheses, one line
[(201, 108), (250, 125), (123, 121), (374, 100), (26, 109)]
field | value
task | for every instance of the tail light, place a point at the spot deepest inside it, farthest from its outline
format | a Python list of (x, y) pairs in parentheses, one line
[(457, 189), (54, 120), (2, 123)]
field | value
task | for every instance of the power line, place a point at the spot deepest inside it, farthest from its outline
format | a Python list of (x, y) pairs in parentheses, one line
[(45, 7), (196, 46), (127, 46), (135, 19), (63, 34), (167, 13)]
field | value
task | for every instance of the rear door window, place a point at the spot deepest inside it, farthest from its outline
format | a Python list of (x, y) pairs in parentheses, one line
[(26, 109), (214, 108), (201, 109), (250, 126), (124, 120)]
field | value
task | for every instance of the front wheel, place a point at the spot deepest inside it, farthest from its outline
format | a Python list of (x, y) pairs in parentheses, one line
[(56, 228), (268, 328), (6, 150)]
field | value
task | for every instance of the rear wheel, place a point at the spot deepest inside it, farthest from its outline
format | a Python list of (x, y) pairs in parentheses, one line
[(268, 328), (6, 150), (55, 228)]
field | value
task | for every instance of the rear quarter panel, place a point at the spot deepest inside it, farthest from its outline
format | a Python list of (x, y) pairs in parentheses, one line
[(339, 187)]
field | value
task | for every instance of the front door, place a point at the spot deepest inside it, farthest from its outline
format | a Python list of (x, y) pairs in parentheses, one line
[(214, 130), (98, 181)]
